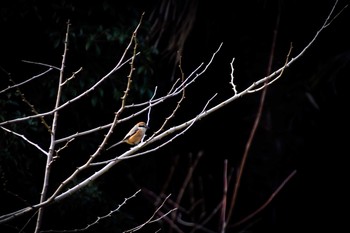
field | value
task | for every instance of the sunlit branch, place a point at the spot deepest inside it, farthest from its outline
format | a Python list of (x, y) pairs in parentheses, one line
[(26, 139), (98, 220), (26, 81), (151, 219), (120, 64)]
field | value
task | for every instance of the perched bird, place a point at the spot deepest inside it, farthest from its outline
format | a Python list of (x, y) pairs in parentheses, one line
[(134, 136)]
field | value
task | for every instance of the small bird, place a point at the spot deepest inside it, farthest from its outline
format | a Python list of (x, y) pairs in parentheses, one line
[(134, 136)]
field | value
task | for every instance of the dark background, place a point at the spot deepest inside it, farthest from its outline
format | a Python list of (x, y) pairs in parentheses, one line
[(304, 125)]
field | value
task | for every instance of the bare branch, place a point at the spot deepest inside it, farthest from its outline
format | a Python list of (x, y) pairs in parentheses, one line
[(42, 64), (267, 202), (26, 81), (26, 139), (152, 219), (73, 76), (185, 183), (49, 158), (224, 200), (120, 64), (97, 221), (232, 77)]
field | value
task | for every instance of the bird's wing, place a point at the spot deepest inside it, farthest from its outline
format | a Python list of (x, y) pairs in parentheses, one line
[(131, 132)]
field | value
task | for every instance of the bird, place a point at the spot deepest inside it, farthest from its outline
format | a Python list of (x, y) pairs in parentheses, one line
[(134, 136)]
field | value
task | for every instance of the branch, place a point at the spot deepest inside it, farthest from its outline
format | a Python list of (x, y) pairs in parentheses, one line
[(97, 221), (255, 125), (27, 140), (27, 81), (152, 219), (149, 104), (49, 157), (263, 206)]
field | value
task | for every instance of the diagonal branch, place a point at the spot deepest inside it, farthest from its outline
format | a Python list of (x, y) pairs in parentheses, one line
[(152, 219), (26, 139), (263, 206)]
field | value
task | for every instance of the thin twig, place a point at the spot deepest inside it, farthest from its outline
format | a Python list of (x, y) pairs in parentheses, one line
[(152, 219), (26, 81), (97, 221)]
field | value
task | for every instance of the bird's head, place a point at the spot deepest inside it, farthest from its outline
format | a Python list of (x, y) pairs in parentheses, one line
[(142, 124)]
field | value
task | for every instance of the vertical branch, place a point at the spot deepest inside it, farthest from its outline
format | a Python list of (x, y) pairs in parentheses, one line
[(49, 158), (168, 179), (224, 200), (255, 125), (178, 103), (128, 85), (105, 139)]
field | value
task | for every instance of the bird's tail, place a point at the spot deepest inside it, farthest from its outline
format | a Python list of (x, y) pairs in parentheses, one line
[(114, 145)]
